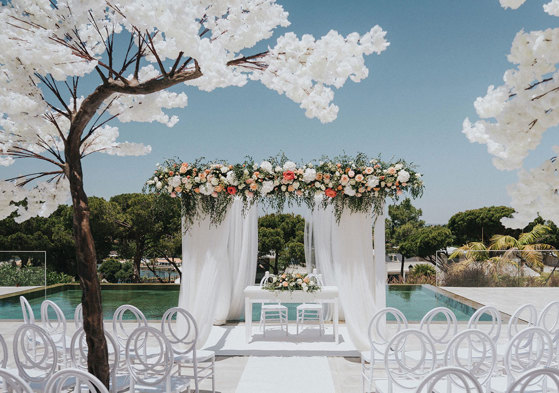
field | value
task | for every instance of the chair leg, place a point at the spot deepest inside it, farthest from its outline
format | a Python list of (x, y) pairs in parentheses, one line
[(213, 374)]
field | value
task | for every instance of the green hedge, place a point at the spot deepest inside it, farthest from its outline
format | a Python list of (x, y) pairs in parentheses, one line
[(13, 276)]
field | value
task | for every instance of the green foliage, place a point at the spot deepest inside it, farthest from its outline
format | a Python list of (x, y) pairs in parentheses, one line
[(480, 224), (281, 235), (115, 271), (125, 273), (422, 269), (11, 275)]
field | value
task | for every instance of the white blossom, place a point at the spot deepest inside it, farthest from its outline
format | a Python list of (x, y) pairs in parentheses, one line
[(403, 176), (267, 187), (267, 166), (289, 166), (372, 181), (231, 178), (349, 191), (309, 175)]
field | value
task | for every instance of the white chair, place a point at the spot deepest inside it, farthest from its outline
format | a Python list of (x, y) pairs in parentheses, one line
[(35, 355), (10, 382), (378, 340), (152, 373), (549, 318), (449, 379), (180, 328), (529, 349), (120, 380), (404, 373), (524, 317), (474, 351), (78, 316), (74, 378), (312, 312), (28, 315), (542, 376), (272, 313), (121, 329), (491, 327), (3, 352), (442, 331), (56, 328)]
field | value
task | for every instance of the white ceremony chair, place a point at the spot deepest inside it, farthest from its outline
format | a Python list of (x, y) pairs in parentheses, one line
[(492, 327), (180, 328), (379, 337), (404, 373), (450, 380), (529, 349), (122, 329), (152, 373), (3, 353), (312, 312), (74, 378), (35, 355), (440, 332), (78, 316), (28, 315), (549, 318), (272, 313), (548, 378), (524, 317), (56, 328), (10, 382), (120, 380), (474, 351)]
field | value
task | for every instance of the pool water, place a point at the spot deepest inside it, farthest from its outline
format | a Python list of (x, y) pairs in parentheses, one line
[(413, 300)]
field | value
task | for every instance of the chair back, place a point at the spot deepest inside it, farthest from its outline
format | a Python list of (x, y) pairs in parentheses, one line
[(56, 326), (65, 379), (549, 318), (121, 330), (10, 382), (34, 353), (28, 315), (547, 377), (404, 370), (148, 369), (473, 351), (492, 327), (524, 317), (448, 320), (79, 351), (377, 331), (3, 353), (265, 279), (181, 330), (78, 316), (444, 379), (528, 350)]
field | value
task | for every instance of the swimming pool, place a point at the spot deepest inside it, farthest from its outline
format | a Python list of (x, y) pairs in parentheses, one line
[(413, 300)]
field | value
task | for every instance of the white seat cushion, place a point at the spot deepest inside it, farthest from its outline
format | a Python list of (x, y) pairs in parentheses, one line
[(271, 307), (310, 306), (201, 355)]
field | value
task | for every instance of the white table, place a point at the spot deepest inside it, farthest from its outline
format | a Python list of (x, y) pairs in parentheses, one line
[(255, 294)]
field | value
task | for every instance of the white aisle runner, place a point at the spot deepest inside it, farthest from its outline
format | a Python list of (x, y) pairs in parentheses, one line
[(286, 374)]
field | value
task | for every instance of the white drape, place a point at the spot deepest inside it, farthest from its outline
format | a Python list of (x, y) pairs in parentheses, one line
[(219, 261), (308, 243), (344, 255)]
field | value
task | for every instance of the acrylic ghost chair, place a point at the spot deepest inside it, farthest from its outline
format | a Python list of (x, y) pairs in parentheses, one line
[(379, 337), (180, 328), (27, 311), (152, 373), (312, 312), (56, 328), (491, 327), (450, 380), (11, 382), (272, 313), (77, 379), (549, 320), (442, 331)]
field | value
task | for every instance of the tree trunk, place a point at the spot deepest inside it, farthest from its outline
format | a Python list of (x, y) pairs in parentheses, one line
[(138, 255), (97, 355)]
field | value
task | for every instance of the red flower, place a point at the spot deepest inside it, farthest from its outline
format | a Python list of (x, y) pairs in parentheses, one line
[(288, 175), (330, 193), (231, 190)]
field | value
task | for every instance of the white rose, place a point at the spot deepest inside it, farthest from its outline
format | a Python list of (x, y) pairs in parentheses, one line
[(403, 176), (283, 188), (349, 191), (372, 182), (267, 187), (398, 166), (169, 189), (278, 169), (224, 169), (158, 185), (266, 166), (296, 185), (254, 166), (309, 175), (289, 166), (231, 178), (206, 189), (215, 181), (175, 181)]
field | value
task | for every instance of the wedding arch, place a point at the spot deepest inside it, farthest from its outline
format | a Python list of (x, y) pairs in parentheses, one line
[(220, 227)]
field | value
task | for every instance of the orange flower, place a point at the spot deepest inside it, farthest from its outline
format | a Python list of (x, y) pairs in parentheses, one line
[(288, 175), (248, 181), (256, 174), (231, 190), (218, 188), (299, 192), (330, 193), (376, 188), (253, 186), (197, 190), (171, 173), (359, 177), (290, 188), (340, 188), (326, 177), (178, 189), (381, 178), (319, 176)]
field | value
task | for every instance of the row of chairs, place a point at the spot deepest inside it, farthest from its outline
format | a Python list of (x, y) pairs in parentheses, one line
[(178, 327), (484, 330)]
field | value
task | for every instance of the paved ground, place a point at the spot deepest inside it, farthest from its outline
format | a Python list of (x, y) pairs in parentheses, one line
[(508, 300), (11, 290)]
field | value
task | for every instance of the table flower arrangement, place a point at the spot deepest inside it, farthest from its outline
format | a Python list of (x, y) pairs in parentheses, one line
[(291, 282)]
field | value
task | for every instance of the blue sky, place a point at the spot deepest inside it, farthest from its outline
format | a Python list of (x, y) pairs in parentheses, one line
[(442, 55)]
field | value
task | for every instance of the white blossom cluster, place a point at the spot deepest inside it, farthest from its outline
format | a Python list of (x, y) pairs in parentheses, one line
[(514, 117), (37, 36)]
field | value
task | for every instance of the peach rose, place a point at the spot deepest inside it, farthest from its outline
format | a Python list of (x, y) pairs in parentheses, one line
[(359, 177)]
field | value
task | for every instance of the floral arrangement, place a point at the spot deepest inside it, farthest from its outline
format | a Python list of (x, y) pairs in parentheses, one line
[(291, 282), (357, 183)]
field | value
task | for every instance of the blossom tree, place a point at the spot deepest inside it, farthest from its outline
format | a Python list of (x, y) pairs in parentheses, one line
[(134, 51), (515, 116)]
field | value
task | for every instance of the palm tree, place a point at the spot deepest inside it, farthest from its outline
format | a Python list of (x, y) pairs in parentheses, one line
[(527, 247)]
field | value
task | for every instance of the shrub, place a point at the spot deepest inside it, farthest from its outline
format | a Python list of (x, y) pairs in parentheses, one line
[(15, 276), (115, 271)]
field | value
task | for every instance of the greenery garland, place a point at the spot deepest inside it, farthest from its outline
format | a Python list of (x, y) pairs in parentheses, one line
[(358, 183)]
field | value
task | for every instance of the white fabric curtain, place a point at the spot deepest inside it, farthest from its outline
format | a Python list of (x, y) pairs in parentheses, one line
[(243, 254), (308, 240), (344, 255)]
